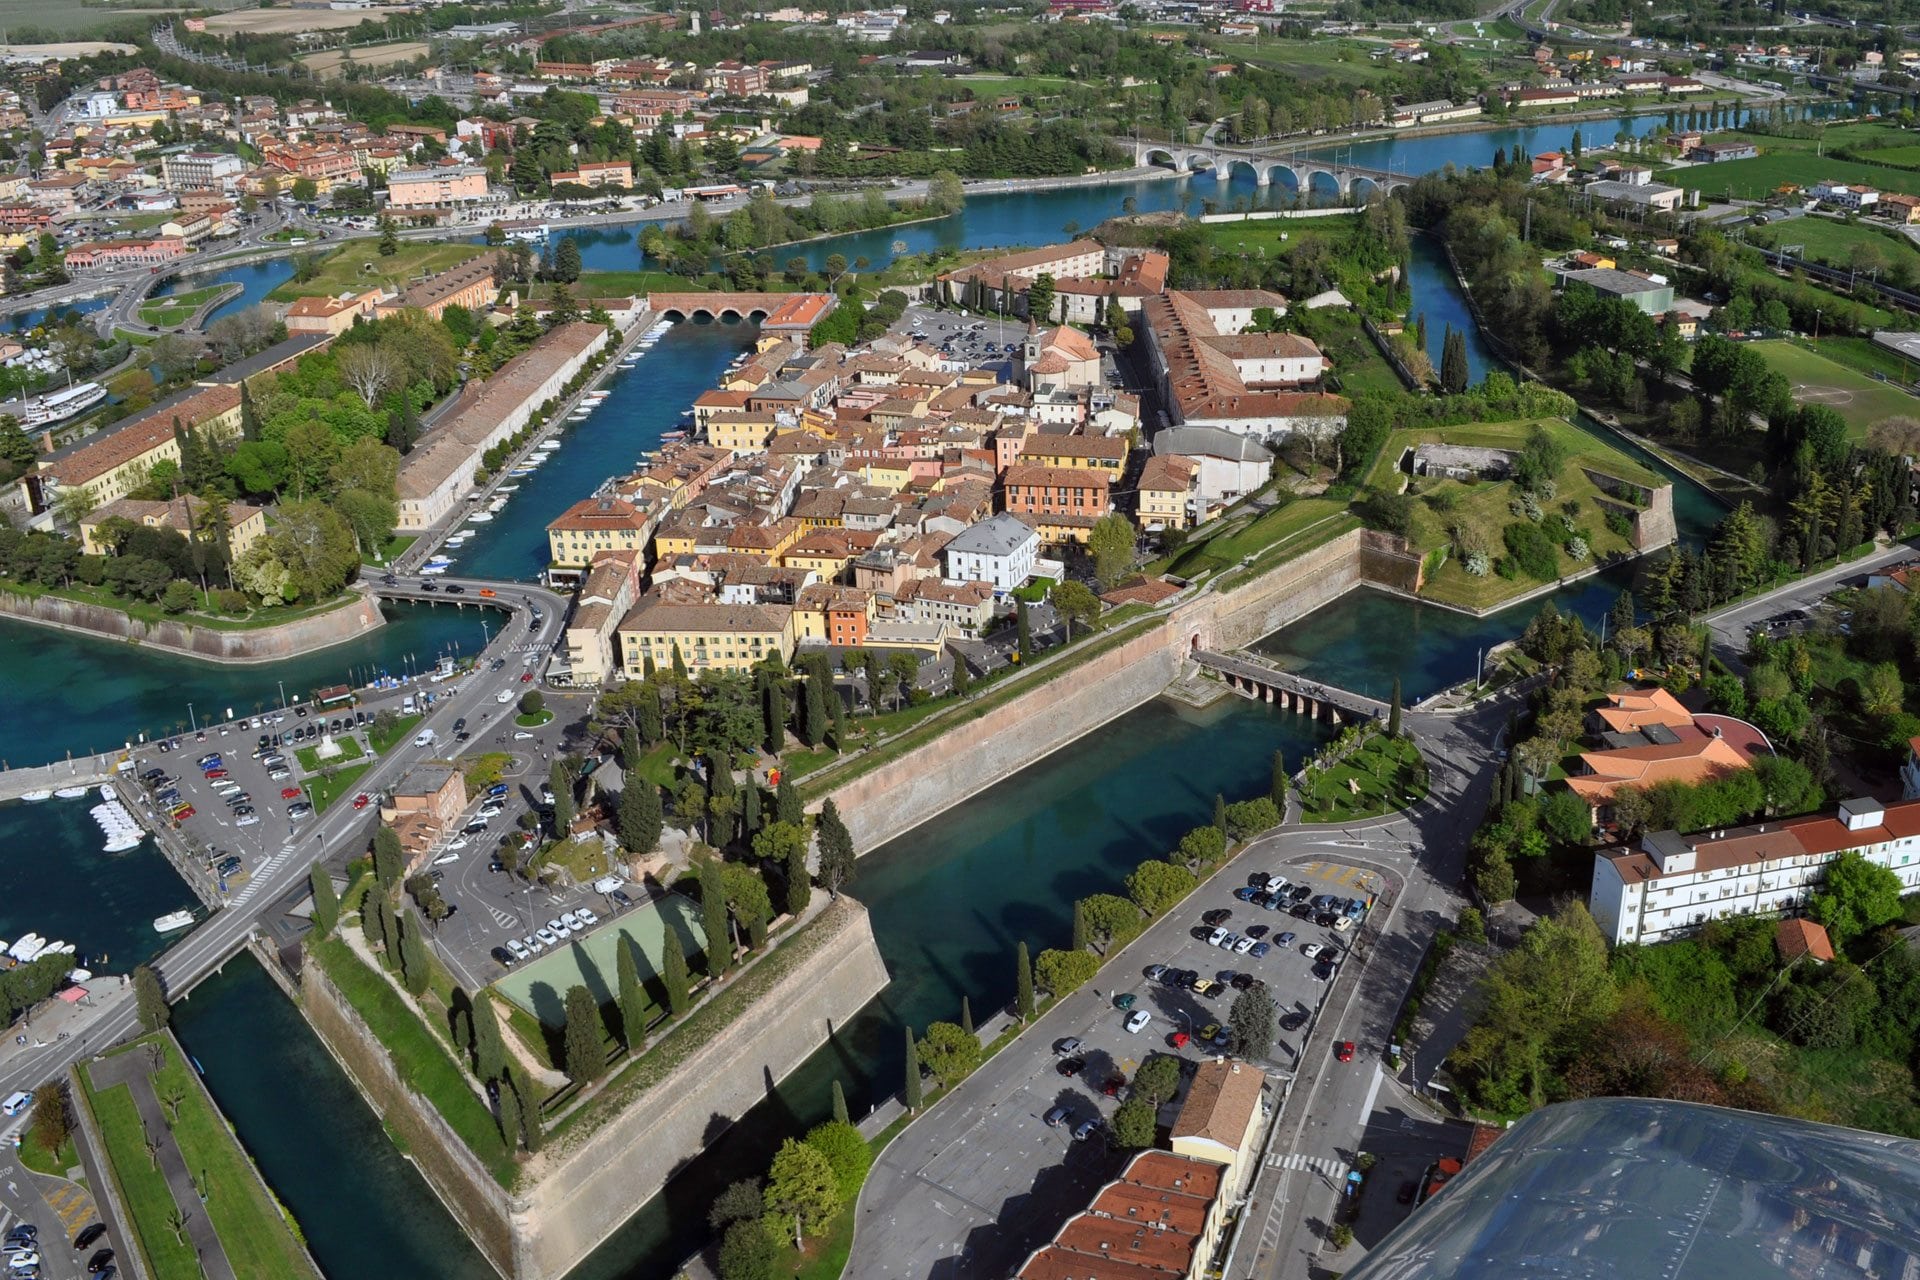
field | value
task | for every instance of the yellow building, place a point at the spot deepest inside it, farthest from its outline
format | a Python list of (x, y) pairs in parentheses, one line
[(766, 543), (246, 525), (1099, 453), (120, 459), (1220, 1119), (710, 637), (891, 474), (1060, 529), (741, 432), (594, 525), (1168, 484), (827, 552)]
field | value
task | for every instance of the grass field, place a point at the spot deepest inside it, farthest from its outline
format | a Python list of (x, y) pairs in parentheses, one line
[(1385, 774), (1761, 176), (1307, 59), (176, 308), (1905, 157), (1481, 508), (327, 64), (1833, 242), (1026, 86), (252, 1230), (287, 21), (1849, 134), (359, 267), (1818, 380)]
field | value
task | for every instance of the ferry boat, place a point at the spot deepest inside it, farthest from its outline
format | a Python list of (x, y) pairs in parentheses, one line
[(527, 232), (173, 920), (56, 406)]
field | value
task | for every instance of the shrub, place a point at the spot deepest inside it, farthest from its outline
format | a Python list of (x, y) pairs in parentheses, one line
[(1621, 523), (1251, 816), (1531, 551), (1477, 563), (1442, 500)]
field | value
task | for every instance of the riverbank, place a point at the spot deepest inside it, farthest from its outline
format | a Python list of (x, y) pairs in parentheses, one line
[(352, 617)]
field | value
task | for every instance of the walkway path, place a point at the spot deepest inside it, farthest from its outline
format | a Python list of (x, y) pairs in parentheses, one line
[(134, 1069)]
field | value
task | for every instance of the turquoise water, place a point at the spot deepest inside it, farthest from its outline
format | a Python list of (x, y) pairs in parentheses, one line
[(644, 401), (22, 320), (256, 281), (61, 886), (111, 692)]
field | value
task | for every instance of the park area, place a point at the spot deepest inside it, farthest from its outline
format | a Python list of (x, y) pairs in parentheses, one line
[(540, 986), (174, 309), (1767, 173), (360, 266), (163, 1135), (1347, 782), (1457, 516), (1861, 400)]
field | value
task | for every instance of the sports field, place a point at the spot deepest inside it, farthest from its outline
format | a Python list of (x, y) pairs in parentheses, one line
[(540, 986), (1817, 380)]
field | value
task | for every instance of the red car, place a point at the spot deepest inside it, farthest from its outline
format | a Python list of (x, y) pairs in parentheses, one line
[(1178, 1039), (289, 793), (1115, 1083), (214, 775), (1344, 1051), (361, 801), (526, 677), (183, 813)]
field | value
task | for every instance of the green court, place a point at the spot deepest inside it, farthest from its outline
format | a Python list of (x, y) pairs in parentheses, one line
[(540, 986), (1861, 400)]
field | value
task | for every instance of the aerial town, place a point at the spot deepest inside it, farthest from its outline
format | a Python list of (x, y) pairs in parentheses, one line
[(1053, 638)]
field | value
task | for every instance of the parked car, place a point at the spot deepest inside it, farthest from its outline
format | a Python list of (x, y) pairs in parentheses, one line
[(1137, 1020), (1071, 1066), (1058, 1116), (1068, 1047), (1086, 1129), (1125, 1000), (1313, 950)]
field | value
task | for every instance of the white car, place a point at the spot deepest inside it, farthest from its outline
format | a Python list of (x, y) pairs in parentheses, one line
[(560, 928), (1137, 1020), (1217, 937), (587, 917), (503, 697), (517, 949), (1244, 945), (522, 736), (457, 843), (21, 1261), (451, 855), (533, 944), (1313, 950), (570, 920), (247, 820), (547, 937)]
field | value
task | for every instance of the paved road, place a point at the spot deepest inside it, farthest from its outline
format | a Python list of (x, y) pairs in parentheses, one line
[(338, 830), (1730, 624)]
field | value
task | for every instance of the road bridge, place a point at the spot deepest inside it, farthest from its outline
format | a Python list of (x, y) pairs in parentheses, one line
[(1263, 683), (1354, 182)]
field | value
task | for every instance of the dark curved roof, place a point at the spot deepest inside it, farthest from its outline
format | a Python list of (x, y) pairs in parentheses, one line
[(1628, 1187)]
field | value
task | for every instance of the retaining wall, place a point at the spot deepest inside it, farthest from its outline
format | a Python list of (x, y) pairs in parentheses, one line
[(258, 644)]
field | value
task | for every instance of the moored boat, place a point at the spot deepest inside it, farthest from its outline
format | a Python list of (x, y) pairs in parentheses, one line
[(173, 920)]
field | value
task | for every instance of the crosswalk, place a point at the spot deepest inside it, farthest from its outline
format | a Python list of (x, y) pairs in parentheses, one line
[(1325, 1165), (261, 875)]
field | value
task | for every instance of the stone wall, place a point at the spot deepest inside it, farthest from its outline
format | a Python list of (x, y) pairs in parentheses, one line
[(1284, 594), (585, 1191), (257, 644), (1654, 525), (580, 1192)]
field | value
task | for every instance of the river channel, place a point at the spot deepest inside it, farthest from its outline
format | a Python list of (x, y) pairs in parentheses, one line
[(950, 900)]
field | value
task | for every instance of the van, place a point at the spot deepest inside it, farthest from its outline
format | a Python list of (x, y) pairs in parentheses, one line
[(406, 707), (16, 1103), (425, 738)]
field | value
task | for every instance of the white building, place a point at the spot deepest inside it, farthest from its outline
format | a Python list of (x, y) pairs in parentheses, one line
[(999, 552), (200, 170), (1845, 195), (1673, 884)]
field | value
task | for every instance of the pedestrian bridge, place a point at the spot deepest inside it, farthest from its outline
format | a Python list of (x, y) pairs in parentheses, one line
[(1262, 683), (1349, 182)]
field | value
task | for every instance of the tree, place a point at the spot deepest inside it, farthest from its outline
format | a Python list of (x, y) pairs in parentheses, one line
[(566, 261), (389, 862), (802, 1193), (640, 816), (673, 973), (1022, 983), (713, 918), (848, 1154), (839, 1104), (1253, 1022), (1110, 542), (52, 1118), (489, 1050), (416, 962), (370, 371), (837, 860), (814, 719), (1393, 712), (1076, 603), (748, 1251), (326, 903), (1155, 886), (389, 238), (1134, 1124), (150, 998), (1082, 935), (633, 1000), (562, 784), (950, 1052), (1220, 812), (1023, 629), (1157, 1079), (1064, 972), (946, 194), (1277, 791), (912, 1072), (1855, 897), (1040, 297), (584, 1055), (1454, 373)]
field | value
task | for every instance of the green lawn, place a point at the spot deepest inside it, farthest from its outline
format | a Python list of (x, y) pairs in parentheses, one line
[(1834, 242), (401, 731), (1307, 59), (989, 86), (1859, 399), (359, 266), (1481, 507), (328, 787), (177, 308), (1760, 177), (52, 1163), (1385, 774), (533, 719), (420, 1057), (309, 757), (252, 1227), (1239, 537)]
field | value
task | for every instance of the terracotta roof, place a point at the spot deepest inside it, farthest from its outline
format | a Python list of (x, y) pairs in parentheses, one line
[(1797, 938), (1693, 760), (1150, 592), (138, 436), (1638, 707), (1221, 1102), (654, 614), (1168, 473)]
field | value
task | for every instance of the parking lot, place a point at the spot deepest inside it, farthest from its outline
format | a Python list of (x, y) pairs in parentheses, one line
[(994, 1174)]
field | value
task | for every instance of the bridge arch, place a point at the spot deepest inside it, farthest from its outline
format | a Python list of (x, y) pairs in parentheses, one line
[(1324, 183), (1285, 174), (1161, 156), (1236, 164), (1364, 190), (1195, 161)]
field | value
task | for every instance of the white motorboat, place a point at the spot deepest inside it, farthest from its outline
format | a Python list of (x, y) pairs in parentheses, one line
[(106, 791), (28, 944), (480, 517), (551, 442), (35, 797), (70, 793), (80, 975), (173, 920)]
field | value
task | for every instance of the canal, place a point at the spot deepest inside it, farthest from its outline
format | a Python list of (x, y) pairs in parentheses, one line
[(950, 900)]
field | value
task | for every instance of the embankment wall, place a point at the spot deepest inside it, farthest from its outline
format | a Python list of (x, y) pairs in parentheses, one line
[(257, 644)]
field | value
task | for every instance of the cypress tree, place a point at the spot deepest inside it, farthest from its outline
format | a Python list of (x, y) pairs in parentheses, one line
[(776, 711), (416, 963), (1277, 789), (814, 720), (530, 1128), (673, 973), (839, 1104), (799, 886), (370, 923), (509, 1118), (679, 662), (649, 716), (912, 1072), (390, 931), (585, 1057), (962, 676), (326, 903), (1393, 711), (837, 858), (640, 816), (1080, 934), (1220, 812), (966, 1015), (249, 417), (1023, 982), (489, 1051), (713, 919), (750, 820), (837, 715), (633, 1001), (786, 803), (388, 861), (720, 780)]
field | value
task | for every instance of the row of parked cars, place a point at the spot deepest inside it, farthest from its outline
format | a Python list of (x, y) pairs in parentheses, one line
[(1274, 893), (23, 1254), (551, 934)]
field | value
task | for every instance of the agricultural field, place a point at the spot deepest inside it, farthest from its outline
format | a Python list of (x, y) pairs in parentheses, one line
[(281, 22), (988, 86), (1446, 512), (1307, 60), (358, 266), (1760, 177), (1834, 242), (327, 65), (1861, 400)]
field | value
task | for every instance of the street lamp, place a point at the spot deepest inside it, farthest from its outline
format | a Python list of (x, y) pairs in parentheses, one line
[(190, 718)]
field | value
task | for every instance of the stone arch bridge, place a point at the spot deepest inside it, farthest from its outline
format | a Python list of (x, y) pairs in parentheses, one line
[(1350, 182)]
